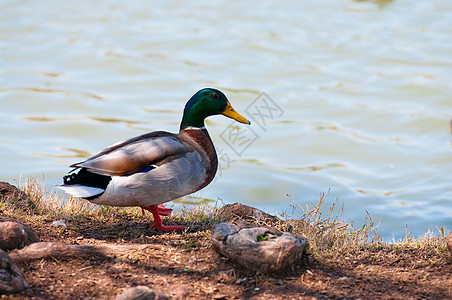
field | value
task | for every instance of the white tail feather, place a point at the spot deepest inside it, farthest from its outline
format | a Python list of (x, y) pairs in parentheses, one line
[(81, 191)]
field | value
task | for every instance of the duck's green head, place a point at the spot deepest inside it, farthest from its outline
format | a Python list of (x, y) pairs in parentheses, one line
[(205, 103)]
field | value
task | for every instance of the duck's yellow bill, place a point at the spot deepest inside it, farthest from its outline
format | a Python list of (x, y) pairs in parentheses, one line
[(231, 113)]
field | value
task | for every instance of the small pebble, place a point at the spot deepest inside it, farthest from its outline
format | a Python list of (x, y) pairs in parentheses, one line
[(61, 223)]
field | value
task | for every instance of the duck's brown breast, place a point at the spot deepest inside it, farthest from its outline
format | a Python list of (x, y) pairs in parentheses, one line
[(201, 141)]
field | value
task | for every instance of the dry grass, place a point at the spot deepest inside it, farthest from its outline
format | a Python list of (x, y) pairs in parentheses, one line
[(55, 203), (58, 205), (329, 233)]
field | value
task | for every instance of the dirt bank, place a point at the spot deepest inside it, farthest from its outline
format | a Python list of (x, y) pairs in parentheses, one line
[(185, 266)]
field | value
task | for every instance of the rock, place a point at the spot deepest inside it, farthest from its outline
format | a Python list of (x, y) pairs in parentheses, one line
[(449, 242), (15, 235), (247, 213), (261, 249), (15, 197), (179, 291), (61, 223), (12, 280), (141, 293)]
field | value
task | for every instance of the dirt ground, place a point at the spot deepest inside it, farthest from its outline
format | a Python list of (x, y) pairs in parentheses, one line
[(185, 266)]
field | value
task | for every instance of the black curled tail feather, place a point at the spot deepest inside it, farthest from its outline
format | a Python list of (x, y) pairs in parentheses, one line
[(87, 178)]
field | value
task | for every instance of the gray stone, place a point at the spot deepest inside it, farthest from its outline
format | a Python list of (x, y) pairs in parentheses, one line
[(12, 280), (15, 235), (263, 249), (245, 212), (141, 293)]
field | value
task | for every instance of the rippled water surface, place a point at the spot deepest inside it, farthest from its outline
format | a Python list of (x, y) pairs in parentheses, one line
[(358, 96)]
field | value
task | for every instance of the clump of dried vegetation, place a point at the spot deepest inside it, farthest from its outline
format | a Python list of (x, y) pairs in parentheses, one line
[(328, 233)]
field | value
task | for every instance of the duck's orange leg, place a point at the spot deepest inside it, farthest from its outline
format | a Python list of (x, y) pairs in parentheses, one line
[(157, 211), (162, 210)]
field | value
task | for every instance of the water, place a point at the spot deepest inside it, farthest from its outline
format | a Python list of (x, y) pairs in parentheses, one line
[(364, 90)]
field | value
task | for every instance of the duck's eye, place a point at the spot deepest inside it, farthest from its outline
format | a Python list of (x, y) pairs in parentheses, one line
[(215, 96)]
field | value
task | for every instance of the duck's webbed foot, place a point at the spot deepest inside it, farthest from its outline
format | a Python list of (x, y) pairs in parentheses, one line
[(158, 211)]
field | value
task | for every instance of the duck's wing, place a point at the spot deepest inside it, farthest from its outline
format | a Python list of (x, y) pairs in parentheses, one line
[(134, 155)]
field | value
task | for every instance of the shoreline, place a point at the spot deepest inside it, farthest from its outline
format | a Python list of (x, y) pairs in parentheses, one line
[(341, 262)]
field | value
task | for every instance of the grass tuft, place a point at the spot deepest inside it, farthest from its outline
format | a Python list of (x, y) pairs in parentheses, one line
[(329, 233)]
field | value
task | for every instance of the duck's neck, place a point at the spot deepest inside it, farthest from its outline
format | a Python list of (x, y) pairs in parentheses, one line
[(192, 118), (200, 137)]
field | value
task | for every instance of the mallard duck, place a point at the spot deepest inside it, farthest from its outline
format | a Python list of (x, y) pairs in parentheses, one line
[(156, 167)]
